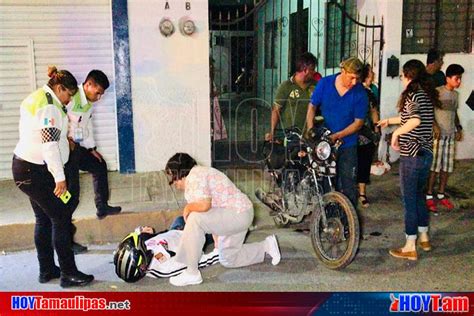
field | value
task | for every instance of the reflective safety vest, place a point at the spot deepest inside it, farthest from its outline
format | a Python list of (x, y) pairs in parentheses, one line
[(43, 132), (79, 111)]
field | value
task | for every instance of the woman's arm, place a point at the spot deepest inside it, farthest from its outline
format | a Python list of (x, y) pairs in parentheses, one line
[(198, 206), (389, 121), (407, 127), (410, 125)]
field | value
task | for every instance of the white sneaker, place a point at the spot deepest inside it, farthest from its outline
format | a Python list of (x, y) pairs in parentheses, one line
[(273, 250), (186, 278)]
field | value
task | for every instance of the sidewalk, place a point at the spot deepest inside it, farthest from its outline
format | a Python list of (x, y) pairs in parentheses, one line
[(146, 198)]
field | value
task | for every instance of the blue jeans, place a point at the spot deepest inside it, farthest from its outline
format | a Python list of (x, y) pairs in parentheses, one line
[(347, 173), (414, 172)]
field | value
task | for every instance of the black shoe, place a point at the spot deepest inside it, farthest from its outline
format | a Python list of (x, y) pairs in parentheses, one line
[(45, 277), (78, 248), (102, 212), (76, 279)]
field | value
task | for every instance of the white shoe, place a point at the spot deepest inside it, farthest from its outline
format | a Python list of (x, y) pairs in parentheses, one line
[(186, 278), (273, 250)]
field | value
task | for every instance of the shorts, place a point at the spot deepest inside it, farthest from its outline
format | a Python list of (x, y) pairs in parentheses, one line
[(443, 154)]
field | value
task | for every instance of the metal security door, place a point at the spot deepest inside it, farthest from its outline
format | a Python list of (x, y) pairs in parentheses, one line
[(253, 46)]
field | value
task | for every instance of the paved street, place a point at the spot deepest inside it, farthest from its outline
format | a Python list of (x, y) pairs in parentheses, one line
[(449, 267)]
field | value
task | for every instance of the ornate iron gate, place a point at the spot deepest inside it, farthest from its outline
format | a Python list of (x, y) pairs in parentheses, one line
[(253, 46)]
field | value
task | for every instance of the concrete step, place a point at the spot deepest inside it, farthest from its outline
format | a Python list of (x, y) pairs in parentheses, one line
[(90, 230), (146, 199)]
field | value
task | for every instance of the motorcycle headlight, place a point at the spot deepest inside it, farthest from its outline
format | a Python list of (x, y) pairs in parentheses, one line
[(323, 150)]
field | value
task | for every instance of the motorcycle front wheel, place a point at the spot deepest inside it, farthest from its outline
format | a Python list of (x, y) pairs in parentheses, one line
[(337, 242)]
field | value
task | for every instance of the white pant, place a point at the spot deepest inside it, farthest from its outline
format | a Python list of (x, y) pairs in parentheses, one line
[(231, 227)]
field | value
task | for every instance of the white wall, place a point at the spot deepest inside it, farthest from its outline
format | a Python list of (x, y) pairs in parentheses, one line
[(391, 11), (170, 83)]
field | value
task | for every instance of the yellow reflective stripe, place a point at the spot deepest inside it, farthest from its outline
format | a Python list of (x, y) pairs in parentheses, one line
[(78, 107), (38, 100), (35, 101)]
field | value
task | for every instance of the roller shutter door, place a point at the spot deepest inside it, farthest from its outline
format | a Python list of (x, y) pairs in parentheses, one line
[(73, 35)]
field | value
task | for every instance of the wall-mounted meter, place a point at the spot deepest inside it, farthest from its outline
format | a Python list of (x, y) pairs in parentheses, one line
[(188, 27), (166, 27)]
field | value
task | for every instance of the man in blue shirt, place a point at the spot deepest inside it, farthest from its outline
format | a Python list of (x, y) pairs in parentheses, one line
[(343, 103)]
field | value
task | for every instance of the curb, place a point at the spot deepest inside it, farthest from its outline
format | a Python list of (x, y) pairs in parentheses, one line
[(90, 230)]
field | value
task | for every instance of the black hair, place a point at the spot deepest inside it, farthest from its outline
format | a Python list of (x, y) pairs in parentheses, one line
[(179, 166), (62, 77), (365, 72), (98, 77), (433, 55), (420, 79), (454, 70), (305, 60)]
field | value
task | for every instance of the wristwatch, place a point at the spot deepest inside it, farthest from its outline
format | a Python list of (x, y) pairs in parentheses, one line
[(92, 149)]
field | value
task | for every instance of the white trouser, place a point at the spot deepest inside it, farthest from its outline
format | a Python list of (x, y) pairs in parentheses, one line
[(231, 227)]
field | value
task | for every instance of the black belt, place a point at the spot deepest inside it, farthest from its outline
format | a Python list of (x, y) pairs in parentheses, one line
[(23, 160)]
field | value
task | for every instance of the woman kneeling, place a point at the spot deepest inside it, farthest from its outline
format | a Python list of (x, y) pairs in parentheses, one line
[(215, 206)]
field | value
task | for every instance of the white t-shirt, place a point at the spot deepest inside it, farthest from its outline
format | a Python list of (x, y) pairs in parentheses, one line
[(163, 263)]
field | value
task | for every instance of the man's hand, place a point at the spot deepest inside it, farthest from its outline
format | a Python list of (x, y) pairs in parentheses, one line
[(60, 188), (97, 155), (269, 137), (458, 136), (436, 131), (334, 137)]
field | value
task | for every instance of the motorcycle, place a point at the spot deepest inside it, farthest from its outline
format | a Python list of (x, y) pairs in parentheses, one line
[(303, 175)]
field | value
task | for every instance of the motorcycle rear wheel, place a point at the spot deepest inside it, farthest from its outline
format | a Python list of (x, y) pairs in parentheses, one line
[(336, 245)]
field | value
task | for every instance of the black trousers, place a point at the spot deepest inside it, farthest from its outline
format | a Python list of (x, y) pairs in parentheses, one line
[(81, 159), (53, 217), (365, 156)]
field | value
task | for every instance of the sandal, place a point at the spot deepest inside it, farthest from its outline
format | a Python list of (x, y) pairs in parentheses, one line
[(363, 200)]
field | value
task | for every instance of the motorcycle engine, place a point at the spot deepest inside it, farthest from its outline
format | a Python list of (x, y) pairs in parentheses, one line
[(297, 193)]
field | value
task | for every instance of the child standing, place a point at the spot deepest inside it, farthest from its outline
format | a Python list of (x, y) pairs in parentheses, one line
[(446, 131)]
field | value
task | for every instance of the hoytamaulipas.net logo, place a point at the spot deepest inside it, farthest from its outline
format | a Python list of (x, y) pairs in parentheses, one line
[(23, 302), (427, 302)]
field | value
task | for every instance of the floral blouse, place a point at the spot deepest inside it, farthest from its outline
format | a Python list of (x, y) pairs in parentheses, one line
[(206, 182)]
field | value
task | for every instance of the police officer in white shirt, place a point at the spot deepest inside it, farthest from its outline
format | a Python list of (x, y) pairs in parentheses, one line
[(40, 171), (81, 136)]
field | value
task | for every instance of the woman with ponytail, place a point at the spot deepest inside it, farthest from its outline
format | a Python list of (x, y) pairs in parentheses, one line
[(40, 171)]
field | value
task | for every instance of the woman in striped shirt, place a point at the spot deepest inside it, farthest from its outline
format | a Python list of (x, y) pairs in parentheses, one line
[(414, 139)]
